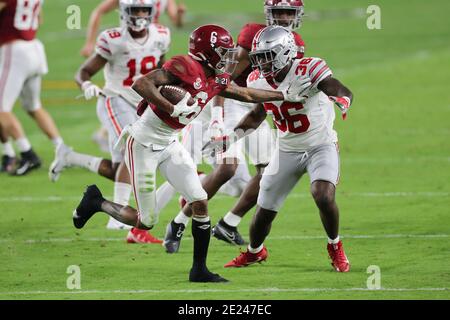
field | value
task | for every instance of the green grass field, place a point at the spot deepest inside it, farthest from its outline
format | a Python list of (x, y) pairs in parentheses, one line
[(394, 194)]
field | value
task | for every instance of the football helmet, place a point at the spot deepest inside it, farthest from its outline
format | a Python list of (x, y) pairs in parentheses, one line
[(272, 49), (136, 23), (272, 9), (214, 46)]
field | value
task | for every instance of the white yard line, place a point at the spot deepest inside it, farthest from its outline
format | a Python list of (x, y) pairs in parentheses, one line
[(275, 290), (424, 194), (286, 237)]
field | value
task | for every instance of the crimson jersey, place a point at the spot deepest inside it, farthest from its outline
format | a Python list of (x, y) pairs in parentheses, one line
[(19, 20), (245, 40), (156, 126)]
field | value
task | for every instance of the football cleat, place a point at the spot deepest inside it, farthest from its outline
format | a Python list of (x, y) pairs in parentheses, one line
[(338, 258), (247, 258), (141, 236), (59, 163), (204, 275), (30, 161), (172, 239), (224, 232), (8, 164), (89, 205)]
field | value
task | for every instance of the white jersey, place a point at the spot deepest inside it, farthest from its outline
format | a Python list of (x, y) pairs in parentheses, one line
[(129, 59), (301, 126)]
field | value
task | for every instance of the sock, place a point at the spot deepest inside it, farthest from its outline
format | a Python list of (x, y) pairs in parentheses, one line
[(84, 161), (201, 232), (57, 141), (231, 219), (255, 250), (182, 218), (23, 144), (163, 196), (335, 241), (8, 150), (122, 192)]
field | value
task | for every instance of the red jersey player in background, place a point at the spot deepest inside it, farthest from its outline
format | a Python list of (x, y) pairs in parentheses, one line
[(19, 21), (152, 141), (286, 13)]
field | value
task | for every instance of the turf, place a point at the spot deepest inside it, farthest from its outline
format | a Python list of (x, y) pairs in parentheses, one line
[(394, 194)]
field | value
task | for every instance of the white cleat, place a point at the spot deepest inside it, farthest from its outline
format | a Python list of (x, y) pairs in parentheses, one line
[(60, 163), (113, 224)]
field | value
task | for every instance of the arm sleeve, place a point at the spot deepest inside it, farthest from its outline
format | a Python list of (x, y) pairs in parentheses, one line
[(103, 47), (318, 70)]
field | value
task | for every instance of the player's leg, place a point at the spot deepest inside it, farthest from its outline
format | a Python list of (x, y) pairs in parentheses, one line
[(276, 183), (259, 146), (180, 171), (13, 73), (142, 164), (8, 155), (323, 169)]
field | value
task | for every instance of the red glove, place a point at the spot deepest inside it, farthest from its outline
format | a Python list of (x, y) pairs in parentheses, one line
[(223, 80), (343, 103)]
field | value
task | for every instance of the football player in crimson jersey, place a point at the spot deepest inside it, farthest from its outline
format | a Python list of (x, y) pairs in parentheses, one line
[(19, 21), (307, 141), (152, 142), (227, 113), (125, 54)]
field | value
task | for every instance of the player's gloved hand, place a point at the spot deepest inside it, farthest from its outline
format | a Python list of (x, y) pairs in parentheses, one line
[(343, 103), (223, 80), (182, 109), (219, 144), (90, 90), (298, 89), (216, 126)]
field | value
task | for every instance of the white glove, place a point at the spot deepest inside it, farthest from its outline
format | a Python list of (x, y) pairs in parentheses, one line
[(220, 144), (182, 109), (90, 90), (216, 126), (297, 91)]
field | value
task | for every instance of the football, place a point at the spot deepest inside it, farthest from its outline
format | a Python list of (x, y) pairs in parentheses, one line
[(175, 94)]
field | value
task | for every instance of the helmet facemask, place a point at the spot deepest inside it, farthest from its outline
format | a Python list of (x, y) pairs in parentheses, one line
[(270, 62), (274, 13), (137, 23), (228, 61)]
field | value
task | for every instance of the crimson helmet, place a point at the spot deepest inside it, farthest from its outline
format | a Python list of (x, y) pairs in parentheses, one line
[(214, 46), (272, 6)]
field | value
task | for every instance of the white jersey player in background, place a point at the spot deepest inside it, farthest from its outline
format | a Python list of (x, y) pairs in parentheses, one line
[(307, 141), (22, 65), (125, 54)]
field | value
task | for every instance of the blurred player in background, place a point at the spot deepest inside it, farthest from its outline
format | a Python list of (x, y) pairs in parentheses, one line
[(174, 11), (227, 113), (307, 140), (125, 54), (152, 141), (22, 64)]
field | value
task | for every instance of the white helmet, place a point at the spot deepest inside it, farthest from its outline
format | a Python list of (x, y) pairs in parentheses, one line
[(273, 48), (136, 23)]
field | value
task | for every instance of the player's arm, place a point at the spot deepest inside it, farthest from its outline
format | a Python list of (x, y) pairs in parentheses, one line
[(94, 24), (147, 88), (176, 12), (161, 62), (338, 93), (84, 75)]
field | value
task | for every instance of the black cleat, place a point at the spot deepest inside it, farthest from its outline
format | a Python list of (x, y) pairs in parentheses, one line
[(89, 205), (204, 275), (8, 164), (29, 161), (227, 233), (172, 239)]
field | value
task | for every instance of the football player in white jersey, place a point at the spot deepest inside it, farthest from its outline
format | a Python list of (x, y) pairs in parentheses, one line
[(307, 141), (125, 54)]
